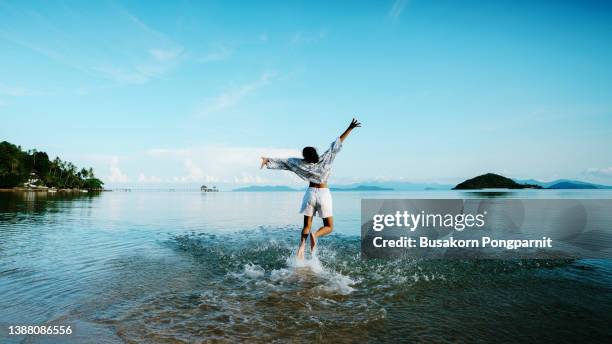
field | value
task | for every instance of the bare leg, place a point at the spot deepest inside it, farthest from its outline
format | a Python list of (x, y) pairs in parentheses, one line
[(303, 236), (328, 227)]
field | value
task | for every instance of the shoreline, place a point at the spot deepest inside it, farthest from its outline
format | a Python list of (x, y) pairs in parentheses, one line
[(49, 190)]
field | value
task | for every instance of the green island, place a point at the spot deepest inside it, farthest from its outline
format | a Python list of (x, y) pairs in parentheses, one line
[(493, 181), (32, 170)]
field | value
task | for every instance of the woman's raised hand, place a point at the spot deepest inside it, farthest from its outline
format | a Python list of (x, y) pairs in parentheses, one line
[(354, 124)]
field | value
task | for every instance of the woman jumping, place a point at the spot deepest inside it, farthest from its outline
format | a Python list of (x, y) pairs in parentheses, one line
[(317, 200)]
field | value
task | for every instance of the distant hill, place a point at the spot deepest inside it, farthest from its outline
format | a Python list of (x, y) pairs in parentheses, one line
[(485, 181), (400, 185), (361, 188), (264, 188), (565, 184), (277, 188), (570, 185), (492, 181)]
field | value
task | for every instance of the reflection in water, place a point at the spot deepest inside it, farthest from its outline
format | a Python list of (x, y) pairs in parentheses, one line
[(489, 194), (186, 267), (36, 201)]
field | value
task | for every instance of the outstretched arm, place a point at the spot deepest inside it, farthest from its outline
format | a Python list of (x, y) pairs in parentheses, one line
[(354, 124), (275, 164), (335, 147)]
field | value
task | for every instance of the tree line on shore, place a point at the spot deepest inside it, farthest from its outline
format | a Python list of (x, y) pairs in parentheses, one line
[(17, 166)]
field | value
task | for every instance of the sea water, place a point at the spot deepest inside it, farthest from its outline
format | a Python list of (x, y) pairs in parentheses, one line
[(150, 266)]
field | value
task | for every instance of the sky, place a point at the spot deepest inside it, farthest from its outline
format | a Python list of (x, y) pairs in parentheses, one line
[(194, 92)]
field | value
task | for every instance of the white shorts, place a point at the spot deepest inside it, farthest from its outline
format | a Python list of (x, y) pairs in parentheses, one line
[(317, 201)]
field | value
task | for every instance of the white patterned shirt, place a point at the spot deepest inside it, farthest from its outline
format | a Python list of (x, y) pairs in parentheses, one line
[(311, 172)]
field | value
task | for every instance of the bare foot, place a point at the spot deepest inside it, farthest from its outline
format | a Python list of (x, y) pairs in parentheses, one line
[(313, 242), (301, 249)]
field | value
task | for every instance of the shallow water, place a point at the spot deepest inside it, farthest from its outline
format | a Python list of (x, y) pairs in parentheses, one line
[(171, 267)]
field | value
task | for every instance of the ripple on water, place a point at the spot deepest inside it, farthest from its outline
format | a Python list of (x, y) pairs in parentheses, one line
[(247, 286), (252, 288)]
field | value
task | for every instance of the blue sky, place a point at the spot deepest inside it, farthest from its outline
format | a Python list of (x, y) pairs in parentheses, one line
[(191, 92)]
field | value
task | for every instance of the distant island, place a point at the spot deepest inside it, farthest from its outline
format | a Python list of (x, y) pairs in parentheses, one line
[(570, 185), (33, 170), (398, 185), (264, 188), (493, 181), (281, 188), (565, 184), (485, 181), (361, 188)]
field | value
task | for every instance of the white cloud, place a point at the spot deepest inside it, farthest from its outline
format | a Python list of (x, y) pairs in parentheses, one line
[(599, 172), (156, 63), (222, 164), (194, 172), (164, 55), (235, 95), (116, 175), (218, 54), (137, 22), (249, 179), (122, 76), (139, 55), (14, 91), (397, 8), (301, 37), (142, 178)]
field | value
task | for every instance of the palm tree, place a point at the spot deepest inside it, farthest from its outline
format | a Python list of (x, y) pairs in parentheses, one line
[(55, 165), (70, 172), (33, 154)]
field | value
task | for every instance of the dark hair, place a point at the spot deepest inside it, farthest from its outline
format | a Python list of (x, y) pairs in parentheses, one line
[(310, 155)]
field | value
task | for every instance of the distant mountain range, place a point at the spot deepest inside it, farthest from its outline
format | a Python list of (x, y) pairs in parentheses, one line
[(265, 188), (360, 188), (277, 188), (485, 181), (366, 186), (564, 184), (399, 185)]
